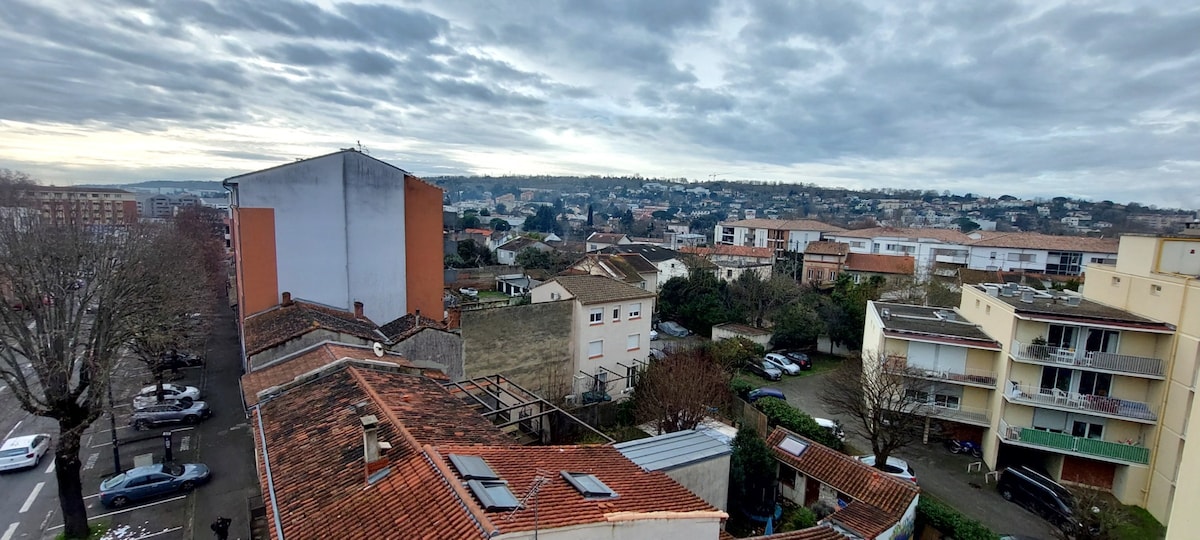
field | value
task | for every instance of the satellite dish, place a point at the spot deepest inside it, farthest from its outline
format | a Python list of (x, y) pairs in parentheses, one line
[(378, 347)]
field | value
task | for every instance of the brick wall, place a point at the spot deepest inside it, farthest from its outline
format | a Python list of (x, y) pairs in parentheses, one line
[(433, 345), (529, 344)]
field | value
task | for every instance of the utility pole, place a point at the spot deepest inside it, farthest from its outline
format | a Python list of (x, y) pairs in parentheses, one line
[(112, 426)]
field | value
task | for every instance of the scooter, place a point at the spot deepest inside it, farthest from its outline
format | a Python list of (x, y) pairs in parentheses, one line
[(964, 447)]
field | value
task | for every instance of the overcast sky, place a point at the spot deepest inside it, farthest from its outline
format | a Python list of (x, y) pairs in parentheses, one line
[(1087, 99)]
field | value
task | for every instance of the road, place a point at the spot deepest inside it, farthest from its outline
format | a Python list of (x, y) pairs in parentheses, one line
[(938, 471), (29, 506)]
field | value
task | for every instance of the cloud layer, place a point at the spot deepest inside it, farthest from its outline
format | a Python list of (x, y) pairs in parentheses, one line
[(1096, 100)]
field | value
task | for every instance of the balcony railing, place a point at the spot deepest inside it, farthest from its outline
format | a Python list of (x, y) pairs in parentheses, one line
[(1061, 399), (969, 415), (1120, 363), (898, 365), (1081, 445)]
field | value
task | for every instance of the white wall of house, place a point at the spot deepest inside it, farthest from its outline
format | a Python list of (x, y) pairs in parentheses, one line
[(632, 526), (798, 240), (670, 268), (923, 251), (339, 230), (1030, 260)]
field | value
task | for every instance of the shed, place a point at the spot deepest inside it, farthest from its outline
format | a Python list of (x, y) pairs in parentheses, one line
[(695, 459), (733, 330)]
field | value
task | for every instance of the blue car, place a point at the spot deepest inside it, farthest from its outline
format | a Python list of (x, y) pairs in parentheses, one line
[(151, 481)]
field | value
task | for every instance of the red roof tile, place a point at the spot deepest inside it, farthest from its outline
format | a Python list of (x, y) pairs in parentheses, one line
[(820, 532), (880, 264), (728, 250), (948, 236), (827, 247), (286, 369), (269, 328), (1033, 240), (784, 224)]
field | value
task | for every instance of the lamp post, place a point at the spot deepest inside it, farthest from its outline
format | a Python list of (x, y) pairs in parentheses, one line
[(112, 417)]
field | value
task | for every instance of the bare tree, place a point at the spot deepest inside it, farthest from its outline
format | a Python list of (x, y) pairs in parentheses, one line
[(761, 298), (872, 390), (74, 298), (677, 391)]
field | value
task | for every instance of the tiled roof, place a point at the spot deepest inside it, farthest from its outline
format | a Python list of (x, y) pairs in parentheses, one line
[(827, 247), (616, 266), (639, 263), (820, 532), (599, 289), (605, 238), (728, 250), (561, 505), (403, 327), (1033, 240), (485, 232), (518, 244), (272, 327), (880, 264), (652, 253), (865, 484), (862, 518), (286, 369), (947, 236), (784, 224)]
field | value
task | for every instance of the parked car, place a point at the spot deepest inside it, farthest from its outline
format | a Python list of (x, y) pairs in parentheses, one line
[(150, 481), (671, 328), (764, 369), (181, 360), (23, 452), (895, 466), (654, 335), (183, 394), (799, 358), (759, 393), (782, 362), (168, 413), (833, 427), (1038, 493)]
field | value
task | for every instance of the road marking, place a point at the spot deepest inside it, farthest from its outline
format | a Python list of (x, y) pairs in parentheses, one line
[(14, 428), (12, 529), (185, 442), (91, 461), (152, 535), (32, 496), (50, 469), (130, 509)]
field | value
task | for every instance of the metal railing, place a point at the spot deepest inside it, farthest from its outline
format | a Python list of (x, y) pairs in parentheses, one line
[(1061, 399), (1123, 363), (1131, 453), (898, 365), (971, 415)]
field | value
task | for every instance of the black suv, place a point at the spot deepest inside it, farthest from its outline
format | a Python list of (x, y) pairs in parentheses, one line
[(1040, 495)]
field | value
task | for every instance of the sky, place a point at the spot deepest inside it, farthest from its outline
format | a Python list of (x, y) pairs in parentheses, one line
[(1096, 100)]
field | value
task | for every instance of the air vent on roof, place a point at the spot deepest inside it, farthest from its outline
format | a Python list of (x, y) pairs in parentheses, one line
[(588, 485), (886, 314), (944, 315), (493, 495), (992, 291), (1027, 297), (472, 467), (793, 446), (1073, 300)]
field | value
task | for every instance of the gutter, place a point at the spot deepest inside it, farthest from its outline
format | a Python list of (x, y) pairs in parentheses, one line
[(262, 435)]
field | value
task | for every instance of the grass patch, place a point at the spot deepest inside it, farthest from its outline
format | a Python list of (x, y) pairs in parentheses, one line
[(97, 532), (822, 363), (1138, 524), (751, 379)]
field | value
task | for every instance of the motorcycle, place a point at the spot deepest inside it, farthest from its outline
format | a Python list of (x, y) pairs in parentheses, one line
[(964, 447)]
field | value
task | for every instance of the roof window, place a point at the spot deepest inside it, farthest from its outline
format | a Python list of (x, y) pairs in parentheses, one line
[(588, 485), (493, 495), (473, 467), (793, 446)]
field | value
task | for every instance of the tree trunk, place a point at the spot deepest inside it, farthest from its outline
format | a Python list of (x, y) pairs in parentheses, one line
[(70, 487)]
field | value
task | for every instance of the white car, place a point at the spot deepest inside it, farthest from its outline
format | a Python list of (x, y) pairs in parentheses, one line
[(175, 392), (833, 427), (23, 452), (782, 362), (895, 466)]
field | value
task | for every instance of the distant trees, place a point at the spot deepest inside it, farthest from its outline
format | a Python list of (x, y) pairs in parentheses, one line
[(799, 324), (966, 225), (469, 254), (846, 311), (498, 224), (534, 258), (545, 220)]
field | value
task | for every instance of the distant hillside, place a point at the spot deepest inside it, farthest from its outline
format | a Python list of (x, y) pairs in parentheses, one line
[(190, 185)]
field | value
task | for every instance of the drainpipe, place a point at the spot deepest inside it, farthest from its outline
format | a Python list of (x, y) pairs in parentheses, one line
[(262, 435), (1162, 405)]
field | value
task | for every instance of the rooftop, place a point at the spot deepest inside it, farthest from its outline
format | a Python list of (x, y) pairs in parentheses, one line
[(881, 264), (909, 321), (784, 224), (519, 243), (1054, 305), (827, 247), (606, 238), (404, 327), (599, 289), (947, 236), (289, 368), (652, 253), (727, 250), (1033, 240), (743, 329), (671, 450), (266, 329)]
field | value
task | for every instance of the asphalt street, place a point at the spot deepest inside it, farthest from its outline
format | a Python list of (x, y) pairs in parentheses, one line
[(29, 506)]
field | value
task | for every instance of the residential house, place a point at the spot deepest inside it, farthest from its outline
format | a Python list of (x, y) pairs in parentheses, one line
[(507, 253), (733, 261), (925, 246), (698, 460), (343, 228), (778, 234), (668, 261), (610, 330), (515, 284), (598, 241), (84, 206), (399, 456), (161, 206), (1039, 253), (823, 261), (866, 504), (864, 266), (630, 268)]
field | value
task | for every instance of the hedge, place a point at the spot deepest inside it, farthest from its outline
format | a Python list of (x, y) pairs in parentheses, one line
[(949, 521), (779, 413)]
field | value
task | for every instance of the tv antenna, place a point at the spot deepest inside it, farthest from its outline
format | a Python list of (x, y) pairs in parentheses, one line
[(362, 149), (541, 478), (713, 177)]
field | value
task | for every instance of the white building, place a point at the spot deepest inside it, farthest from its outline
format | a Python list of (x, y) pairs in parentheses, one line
[(926, 246), (668, 261), (777, 234), (1039, 253)]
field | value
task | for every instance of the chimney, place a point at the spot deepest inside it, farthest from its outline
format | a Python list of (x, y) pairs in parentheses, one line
[(418, 314), (358, 307), (287, 299), (370, 426)]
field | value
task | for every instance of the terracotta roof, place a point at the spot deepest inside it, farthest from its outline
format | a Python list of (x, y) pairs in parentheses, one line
[(605, 238), (784, 224), (269, 328), (862, 518), (561, 505), (819, 532), (728, 250), (599, 289), (863, 483), (743, 329), (1033, 240), (518, 244), (827, 247), (880, 264), (616, 266), (286, 369), (403, 327), (948, 236), (485, 232)]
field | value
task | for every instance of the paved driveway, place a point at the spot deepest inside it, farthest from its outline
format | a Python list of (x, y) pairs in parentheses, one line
[(940, 473)]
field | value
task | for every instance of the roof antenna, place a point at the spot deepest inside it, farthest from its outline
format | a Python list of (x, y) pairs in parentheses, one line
[(362, 149), (542, 478)]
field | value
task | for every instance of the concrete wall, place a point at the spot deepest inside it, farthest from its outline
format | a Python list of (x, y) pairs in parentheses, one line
[(708, 479), (529, 344), (719, 333), (253, 231), (422, 242), (258, 361), (438, 346), (704, 525)]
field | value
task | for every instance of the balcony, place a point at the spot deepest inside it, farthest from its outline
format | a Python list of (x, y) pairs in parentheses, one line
[(966, 415), (898, 365), (1108, 451), (1053, 398), (1122, 364)]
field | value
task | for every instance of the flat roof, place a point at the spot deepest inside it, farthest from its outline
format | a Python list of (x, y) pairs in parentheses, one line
[(1054, 305), (942, 324), (671, 450)]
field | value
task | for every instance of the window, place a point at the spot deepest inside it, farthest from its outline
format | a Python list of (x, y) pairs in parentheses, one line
[(596, 316), (596, 348), (1156, 290), (977, 304), (945, 401), (1021, 257), (916, 396), (634, 342), (993, 256), (1116, 281), (1087, 429), (832, 275), (987, 310), (616, 313), (634, 310), (787, 476)]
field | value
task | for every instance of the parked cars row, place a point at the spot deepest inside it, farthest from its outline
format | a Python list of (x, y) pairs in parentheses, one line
[(180, 404), (150, 481)]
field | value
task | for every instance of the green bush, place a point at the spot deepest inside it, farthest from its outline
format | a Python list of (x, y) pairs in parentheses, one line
[(949, 521), (801, 518), (779, 413), (740, 387)]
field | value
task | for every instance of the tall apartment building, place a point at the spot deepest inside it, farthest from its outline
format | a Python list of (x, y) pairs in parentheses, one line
[(85, 206), (1097, 389), (778, 234), (335, 230)]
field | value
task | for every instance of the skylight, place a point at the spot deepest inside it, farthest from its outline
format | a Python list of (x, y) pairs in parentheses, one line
[(793, 446), (588, 485), (493, 495), (472, 467)]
